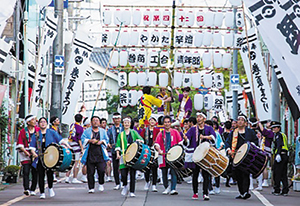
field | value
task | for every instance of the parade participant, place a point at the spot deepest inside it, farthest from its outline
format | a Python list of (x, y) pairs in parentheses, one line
[(145, 106), (196, 135), (103, 124), (76, 131), (24, 139), (166, 108), (228, 172), (236, 139), (86, 124), (186, 105), (95, 155), (192, 121), (112, 134), (125, 138), (220, 129), (164, 141), (38, 144), (233, 124), (149, 134), (136, 126), (281, 160)]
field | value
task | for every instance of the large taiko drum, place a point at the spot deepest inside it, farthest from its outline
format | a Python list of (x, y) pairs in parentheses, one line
[(250, 159), (175, 159), (58, 158), (154, 158), (138, 156), (210, 159)]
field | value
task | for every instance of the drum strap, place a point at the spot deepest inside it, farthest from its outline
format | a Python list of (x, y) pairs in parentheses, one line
[(123, 146), (234, 141), (186, 99)]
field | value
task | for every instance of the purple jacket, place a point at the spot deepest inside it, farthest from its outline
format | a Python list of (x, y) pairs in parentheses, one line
[(187, 107), (269, 136)]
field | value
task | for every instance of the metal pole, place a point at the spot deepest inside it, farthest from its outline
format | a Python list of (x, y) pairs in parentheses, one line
[(235, 71), (26, 84), (275, 95)]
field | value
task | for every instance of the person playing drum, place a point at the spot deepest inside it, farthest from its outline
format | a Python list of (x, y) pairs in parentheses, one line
[(196, 135), (236, 139), (125, 138)]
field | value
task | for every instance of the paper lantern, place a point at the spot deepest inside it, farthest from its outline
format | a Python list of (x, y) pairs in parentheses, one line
[(235, 2), (147, 16), (117, 17), (124, 38), (196, 59), (114, 36), (190, 18), (178, 59), (144, 38), (132, 97), (134, 38), (42, 3), (207, 38), (217, 59), (217, 39), (136, 17), (229, 18), (198, 38), (132, 79), (139, 96), (124, 98), (152, 79), (163, 79), (228, 39), (207, 80), (226, 61), (115, 59), (107, 16), (218, 20), (177, 79), (132, 58), (122, 79), (208, 101), (187, 59), (188, 38), (105, 40), (196, 79), (103, 95), (154, 39), (198, 102), (156, 17), (206, 58), (219, 80), (218, 103), (142, 58), (126, 17), (103, 104), (165, 38), (166, 17), (179, 38), (142, 79), (209, 18), (180, 18), (187, 80), (153, 58), (200, 18), (123, 58), (239, 19), (164, 58)]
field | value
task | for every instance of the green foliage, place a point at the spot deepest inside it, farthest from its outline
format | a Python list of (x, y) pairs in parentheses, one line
[(12, 169), (3, 132)]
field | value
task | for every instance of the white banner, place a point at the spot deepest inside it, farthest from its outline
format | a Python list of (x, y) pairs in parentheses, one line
[(4, 50), (6, 12), (260, 82), (76, 73), (241, 102)]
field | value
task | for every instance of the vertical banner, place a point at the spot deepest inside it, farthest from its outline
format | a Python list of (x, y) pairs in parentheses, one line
[(241, 102), (6, 12), (260, 82), (76, 73), (4, 50)]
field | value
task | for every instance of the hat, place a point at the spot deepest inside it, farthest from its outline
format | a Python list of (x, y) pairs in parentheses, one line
[(275, 124), (29, 118), (253, 121), (188, 89)]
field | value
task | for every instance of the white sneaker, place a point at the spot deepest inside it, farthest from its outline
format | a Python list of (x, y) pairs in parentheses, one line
[(146, 187), (211, 192), (67, 180), (108, 179), (154, 189), (217, 190), (117, 187), (124, 191), (91, 191), (251, 187), (259, 188), (101, 188), (205, 197), (131, 194), (265, 183), (167, 191), (84, 178), (54, 178), (32, 193), (190, 182), (173, 192), (51, 192), (42, 196), (76, 181)]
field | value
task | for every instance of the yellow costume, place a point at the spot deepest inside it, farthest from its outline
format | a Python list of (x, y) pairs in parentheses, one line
[(145, 107)]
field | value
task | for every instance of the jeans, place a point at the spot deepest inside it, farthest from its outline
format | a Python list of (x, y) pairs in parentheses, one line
[(165, 177), (116, 164), (124, 175), (152, 169), (27, 168), (100, 166), (41, 172)]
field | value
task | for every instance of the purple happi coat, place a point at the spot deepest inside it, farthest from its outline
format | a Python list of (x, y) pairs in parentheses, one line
[(187, 107), (269, 136)]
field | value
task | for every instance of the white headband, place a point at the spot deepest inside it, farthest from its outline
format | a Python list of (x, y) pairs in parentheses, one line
[(202, 114), (30, 118), (253, 123), (126, 119), (116, 116), (242, 117)]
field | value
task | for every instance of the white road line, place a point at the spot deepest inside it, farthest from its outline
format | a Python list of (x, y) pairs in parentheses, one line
[(262, 198)]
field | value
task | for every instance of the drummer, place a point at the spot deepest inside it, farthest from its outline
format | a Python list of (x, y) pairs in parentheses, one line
[(167, 138), (196, 135), (149, 134), (235, 140), (125, 138)]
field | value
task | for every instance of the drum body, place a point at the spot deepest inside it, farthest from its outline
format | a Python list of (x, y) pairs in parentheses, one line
[(210, 159), (154, 158), (58, 158), (138, 156), (175, 159), (250, 159)]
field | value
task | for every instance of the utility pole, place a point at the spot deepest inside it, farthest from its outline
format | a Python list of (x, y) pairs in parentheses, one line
[(235, 71)]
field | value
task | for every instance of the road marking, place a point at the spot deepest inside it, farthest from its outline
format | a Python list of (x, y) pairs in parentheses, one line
[(262, 198)]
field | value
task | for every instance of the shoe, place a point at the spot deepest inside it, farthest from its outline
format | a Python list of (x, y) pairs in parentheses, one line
[(51, 192), (54, 178), (233, 183), (117, 187), (284, 194), (42, 196), (195, 196), (76, 181), (84, 178), (251, 187), (26, 192), (101, 188), (259, 188), (67, 180), (154, 189), (190, 182), (205, 197), (32, 193), (276, 193), (91, 191), (211, 192), (146, 187), (239, 197), (265, 183), (217, 190), (108, 179), (124, 191), (167, 191), (173, 192), (246, 196), (131, 194)]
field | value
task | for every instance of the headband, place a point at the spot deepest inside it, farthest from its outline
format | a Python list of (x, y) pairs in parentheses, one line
[(242, 117), (127, 119), (29, 118), (116, 116), (253, 123), (201, 113)]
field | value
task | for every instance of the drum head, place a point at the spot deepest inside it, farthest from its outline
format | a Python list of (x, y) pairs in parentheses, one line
[(201, 151), (51, 156), (240, 154), (174, 153), (131, 152)]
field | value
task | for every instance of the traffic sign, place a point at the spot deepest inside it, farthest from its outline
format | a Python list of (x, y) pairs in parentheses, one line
[(59, 70), (234, 81), (59, 61)]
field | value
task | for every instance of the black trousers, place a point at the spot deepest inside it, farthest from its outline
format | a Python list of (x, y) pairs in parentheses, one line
[(217, 181), (243, 180), (91, 168), (41, 172), (152, 169), (124, 175), (27, 168), (116, 164), (205, 176), (280, 174)]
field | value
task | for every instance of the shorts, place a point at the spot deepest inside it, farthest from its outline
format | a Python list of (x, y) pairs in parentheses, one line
[(77, 156)]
